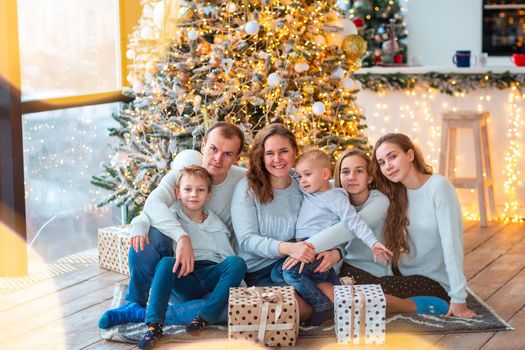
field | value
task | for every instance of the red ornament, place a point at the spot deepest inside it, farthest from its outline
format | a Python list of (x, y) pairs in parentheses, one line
[(359, 23)]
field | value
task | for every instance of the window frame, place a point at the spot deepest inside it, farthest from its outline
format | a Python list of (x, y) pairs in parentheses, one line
[(12, 108)]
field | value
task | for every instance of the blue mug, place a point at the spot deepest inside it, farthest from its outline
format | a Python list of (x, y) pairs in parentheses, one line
[(462, 58)]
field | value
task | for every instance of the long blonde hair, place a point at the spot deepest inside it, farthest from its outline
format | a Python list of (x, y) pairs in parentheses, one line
[(397, 216), (258, 176)]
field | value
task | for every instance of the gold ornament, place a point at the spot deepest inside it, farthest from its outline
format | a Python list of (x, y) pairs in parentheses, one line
[(308, 90), (354, 46), (219, 39), (203, 48)]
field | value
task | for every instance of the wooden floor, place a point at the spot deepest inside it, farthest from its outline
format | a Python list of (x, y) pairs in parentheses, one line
[(62, 313)]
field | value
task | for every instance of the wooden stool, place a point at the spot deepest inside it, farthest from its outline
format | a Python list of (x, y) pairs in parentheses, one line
[(477, 121)]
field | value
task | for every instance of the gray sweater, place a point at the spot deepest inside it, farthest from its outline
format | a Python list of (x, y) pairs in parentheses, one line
[(260, 228)]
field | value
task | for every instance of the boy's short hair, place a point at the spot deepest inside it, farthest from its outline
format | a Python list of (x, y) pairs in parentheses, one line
[(194, 170), (317, 155)]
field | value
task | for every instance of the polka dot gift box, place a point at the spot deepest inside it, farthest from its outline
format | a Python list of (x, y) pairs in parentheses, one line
[(360, 313), (266, 315), (113, 248)]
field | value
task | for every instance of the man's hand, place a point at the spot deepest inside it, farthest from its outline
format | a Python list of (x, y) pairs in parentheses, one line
[(184, 257), (137, 242)]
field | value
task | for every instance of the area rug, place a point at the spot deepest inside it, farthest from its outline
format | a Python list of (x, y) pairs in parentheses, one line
[(487, 320)]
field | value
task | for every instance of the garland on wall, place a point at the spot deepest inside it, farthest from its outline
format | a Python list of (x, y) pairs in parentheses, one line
[(446, 83)]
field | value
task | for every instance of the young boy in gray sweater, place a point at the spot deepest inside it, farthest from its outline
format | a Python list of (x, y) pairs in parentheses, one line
[(322, 207), (217, 268)]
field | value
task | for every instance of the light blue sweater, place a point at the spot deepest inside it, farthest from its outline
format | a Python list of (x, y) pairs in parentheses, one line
[(435, 237), (321, 210), (373, 212)]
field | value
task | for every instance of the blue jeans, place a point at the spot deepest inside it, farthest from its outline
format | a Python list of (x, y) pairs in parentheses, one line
[(262, 277), (142, 266), (305, 282), (209, 280)]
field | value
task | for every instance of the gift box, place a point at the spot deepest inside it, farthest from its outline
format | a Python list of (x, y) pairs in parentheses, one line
[(267, 315), (113, 248), (360, 314)]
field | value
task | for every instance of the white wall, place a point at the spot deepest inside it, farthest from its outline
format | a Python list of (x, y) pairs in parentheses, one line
[(437, 28)]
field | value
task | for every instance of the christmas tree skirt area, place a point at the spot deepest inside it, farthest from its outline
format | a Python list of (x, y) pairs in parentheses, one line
[(487, 320)]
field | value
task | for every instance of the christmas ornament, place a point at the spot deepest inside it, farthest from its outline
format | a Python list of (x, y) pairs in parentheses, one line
[(185, 14), (348, 83), (359, 23), (354, 46), (274, 79), (346, 27), (193, 35), (338, 73), (318, 108), (130, 54), (252, 27), (151, 67), (227, 65)]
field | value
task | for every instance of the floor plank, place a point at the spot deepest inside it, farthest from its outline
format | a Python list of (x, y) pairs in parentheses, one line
[(510, 340)]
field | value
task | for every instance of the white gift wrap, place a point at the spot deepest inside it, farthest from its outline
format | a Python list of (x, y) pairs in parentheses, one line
[(113, 248), (360, 314)]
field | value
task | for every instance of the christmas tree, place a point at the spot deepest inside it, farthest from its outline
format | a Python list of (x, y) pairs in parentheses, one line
[(382, 25), (248, 62)]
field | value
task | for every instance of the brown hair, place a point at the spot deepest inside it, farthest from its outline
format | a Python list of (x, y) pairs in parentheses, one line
[(346, 154), (228, 131), (257, 175), (317, 155), (194, 170), (397, 216)]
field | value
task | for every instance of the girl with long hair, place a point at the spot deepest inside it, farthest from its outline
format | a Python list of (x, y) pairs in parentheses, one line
[(423, 226)]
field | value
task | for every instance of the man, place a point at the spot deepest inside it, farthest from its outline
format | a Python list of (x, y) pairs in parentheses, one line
[(153, 232)]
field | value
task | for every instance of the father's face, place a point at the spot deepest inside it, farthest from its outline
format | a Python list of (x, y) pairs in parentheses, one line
[(219, 154)]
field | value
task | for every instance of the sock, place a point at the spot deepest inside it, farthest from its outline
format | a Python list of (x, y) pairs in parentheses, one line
[(427, 305), (151, 337), (318, 317), (196, 325), (127, 313)]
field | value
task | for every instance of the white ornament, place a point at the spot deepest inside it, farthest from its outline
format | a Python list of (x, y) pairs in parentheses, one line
[(161, 163), (338, 73), (193, 35), (252, 27), (358, 85), (274, 79), (348, 27), (130, 54), (147, 33), (320, 40), (151, 67), (186, 158), (301, 67), (138, 87), (130, 78), (231, 7), (119, 159), (318, 108), (348, 83)]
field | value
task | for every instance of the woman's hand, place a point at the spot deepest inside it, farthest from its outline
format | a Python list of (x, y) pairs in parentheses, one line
[(330, 258), (460, 310), (138, 242), (302, 251)]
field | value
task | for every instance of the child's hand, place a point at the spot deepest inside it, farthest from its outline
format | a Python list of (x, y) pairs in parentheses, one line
[(138, 242), (381, 253), (291, 262)]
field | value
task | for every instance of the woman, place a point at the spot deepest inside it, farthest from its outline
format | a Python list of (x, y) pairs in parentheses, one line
[(265, 207), (423, 227)]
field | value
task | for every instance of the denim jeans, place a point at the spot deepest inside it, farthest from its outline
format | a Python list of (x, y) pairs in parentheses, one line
[(305, 282), (209, 280), (142, 265), (262, 277)]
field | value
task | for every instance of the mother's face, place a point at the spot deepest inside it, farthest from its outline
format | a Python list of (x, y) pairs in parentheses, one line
[(279, 156)]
